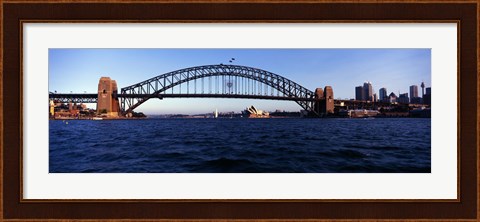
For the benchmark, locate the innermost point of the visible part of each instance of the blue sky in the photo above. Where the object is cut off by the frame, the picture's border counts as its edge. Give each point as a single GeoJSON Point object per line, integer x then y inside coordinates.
{"type": "Point", "coordinates": [78, 71]}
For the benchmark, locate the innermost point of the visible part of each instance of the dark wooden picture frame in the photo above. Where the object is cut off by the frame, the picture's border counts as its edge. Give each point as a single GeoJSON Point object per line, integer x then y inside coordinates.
{"type": "Point", "coordinates": [13, 13]}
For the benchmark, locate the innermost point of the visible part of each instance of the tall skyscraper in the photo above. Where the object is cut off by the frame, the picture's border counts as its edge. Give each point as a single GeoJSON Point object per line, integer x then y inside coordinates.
{"type": "Point", "coordinates": [367, 91]}
{"type": "Point", "coordinates": [382, 94]}
{"type": "Point", "coordinates": [427, 98]}
{"type": "Point", "coordinates": [413, 93]}
{"type": "Point", "coordinates": [359, 93]}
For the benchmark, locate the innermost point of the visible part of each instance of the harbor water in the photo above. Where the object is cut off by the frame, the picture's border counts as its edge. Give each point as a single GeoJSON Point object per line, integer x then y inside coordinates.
{"type": "Point", "coordinates": [240, 145]}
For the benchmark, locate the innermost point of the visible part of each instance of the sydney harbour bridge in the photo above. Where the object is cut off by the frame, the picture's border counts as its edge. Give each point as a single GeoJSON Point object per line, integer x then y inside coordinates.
{"type": "Point", "coordinates": [209, 81]}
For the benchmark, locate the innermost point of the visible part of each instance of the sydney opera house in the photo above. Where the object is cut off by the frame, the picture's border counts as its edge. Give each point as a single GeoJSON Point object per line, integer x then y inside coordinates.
{"type": "Point", "coordinates": [252, 112]}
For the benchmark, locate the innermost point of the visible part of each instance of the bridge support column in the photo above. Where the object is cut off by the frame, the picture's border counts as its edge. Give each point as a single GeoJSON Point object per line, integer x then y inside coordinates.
{"type": "Point", "coordinates": [329, 103]}
{"type": "Point", "coordinates": [319, 101]}
{"type": "Point", "coordinates": [107, 103]}
{"type": "Point", "coordinates": [324, 102]}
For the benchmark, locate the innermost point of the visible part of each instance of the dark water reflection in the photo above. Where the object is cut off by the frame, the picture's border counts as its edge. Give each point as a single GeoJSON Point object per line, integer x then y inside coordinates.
{"type": "Point", "coordinates": [241, 145]}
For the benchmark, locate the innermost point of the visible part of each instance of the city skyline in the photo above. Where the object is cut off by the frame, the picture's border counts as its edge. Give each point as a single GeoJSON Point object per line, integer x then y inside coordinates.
{"type": "Point", "coordinates": [365, 92]}
{"type": "Point", "coordinates": [78, 71]}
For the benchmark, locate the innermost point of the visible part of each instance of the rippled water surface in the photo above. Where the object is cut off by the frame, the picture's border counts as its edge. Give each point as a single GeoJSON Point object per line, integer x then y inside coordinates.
{"type": "Point", "coordinates": [240, 145]}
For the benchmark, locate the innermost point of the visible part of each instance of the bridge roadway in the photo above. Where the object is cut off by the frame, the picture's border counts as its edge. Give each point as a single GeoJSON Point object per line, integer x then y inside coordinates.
{"type": "Point", "coordinates": [92, 98]}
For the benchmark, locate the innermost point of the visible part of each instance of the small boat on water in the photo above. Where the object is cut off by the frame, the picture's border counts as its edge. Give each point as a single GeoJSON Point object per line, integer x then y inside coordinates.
{"type": "Point", "coordinates": [97, 118]}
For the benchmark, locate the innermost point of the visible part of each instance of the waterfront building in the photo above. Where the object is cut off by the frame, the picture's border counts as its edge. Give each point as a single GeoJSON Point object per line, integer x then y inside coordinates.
{"type": "Point", "coordinates": [383, 94]}
{"type": "Point", "coordinates": [252, 112]}
{"type": "Point", "coordinates": [375, 97]}
{"type": "Point", "coordinates": [416, 100]}
{"type": "Point", "coordinates": [413, 93]}
{"type": "Point", "coordinates": [367, 91]}
{"type": "Point", "coordinates": [52, 108]}
{"type": "Point", "coordinates": [403, 98]}
{"type": "Point", "coordinates": [359, 93]}
{"type": "Point", "coordinates": [360, 113]}
{"type": "Point", "coordinates": [392, 98]}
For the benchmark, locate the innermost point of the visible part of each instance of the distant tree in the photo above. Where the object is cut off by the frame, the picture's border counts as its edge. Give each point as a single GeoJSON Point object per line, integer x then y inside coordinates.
{"type": "Point", "coordinates": [139, 114]}
{"type": "Point", "coordinates": [103, 111]}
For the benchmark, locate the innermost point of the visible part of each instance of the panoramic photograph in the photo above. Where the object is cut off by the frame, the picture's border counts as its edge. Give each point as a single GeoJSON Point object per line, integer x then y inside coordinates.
{"type": "Point", "coordinates": [239, 110]}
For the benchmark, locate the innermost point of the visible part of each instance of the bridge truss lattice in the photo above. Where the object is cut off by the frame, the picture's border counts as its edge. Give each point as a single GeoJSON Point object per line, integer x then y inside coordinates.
{"type": "Point", "coordinates": [224, 81]}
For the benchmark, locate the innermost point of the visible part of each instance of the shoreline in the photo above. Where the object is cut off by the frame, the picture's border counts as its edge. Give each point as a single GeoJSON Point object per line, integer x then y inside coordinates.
{"type": "Point", "coordinates": [102, 118]}
{"type": "Point", "coordinates": [286, 117]}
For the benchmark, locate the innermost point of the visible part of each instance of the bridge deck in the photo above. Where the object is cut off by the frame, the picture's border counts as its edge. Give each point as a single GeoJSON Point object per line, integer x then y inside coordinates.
{"type": "Point", "coordinates": [91, 98]}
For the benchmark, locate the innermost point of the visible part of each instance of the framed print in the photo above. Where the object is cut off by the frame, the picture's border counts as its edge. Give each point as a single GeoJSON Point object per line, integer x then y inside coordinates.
{"type": "Point", "coordinates": [239, 110]}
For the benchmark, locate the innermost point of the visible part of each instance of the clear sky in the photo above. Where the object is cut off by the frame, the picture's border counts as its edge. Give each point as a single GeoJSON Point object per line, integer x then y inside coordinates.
{"type": "Point", "coordinates": [78, 71]}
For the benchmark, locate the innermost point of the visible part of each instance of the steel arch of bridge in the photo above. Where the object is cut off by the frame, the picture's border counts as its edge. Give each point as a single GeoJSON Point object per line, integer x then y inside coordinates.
{"type": "Point", "coordinates": [133, 96]}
